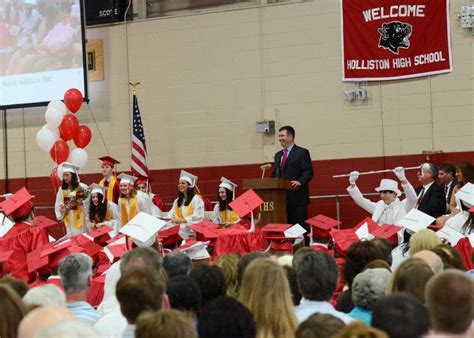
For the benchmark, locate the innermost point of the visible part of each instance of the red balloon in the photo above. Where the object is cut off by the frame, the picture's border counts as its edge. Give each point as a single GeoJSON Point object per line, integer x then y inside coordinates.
{"type": "Point", "coordinates": [73, 100]}
{"type": "Point", "coordinates": [55, 181]}
{"type": "Point", "coordinates": [59, 152]}
{"type": "Point", "coordinates": [83, 137]}
{"type": "Point", "coordinates": [69, 127]}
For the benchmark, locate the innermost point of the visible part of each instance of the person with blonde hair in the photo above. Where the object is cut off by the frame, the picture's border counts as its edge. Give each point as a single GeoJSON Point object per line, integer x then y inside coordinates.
{"type": "Point", "coordinates": [411, 276]}
{"type": "Point", "coordinates": [425, 239]}
{"type": "Point", "coordinates": [266, 292]}
{"type": "Point", "coordinates": [228, 264]}
{"type": "Point", "coordinates": [361, 330]}
{"type": "Point", "coordinates": [165, 324]}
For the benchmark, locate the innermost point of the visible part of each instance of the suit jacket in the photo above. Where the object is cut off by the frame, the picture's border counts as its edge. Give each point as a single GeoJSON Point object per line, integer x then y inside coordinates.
{"type": "Point", "coordinates": [433, 202]}
{"type": "Point", "coordinates": [298, 167]}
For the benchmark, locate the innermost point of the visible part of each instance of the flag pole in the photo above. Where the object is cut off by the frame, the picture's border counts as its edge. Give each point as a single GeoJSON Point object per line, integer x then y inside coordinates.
{"type": "Point", "coordinates": [133, 86]}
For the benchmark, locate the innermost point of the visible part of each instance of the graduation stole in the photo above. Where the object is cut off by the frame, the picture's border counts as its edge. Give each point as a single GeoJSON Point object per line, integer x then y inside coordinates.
{"type": "Point", "coordinates": [179, 213]}
{"type": "Point", "coordinates": [110, 191]}
{"type": "Point", "coordinates": [108, 216]}
{"type": "Point", "coordinates": [133, 209]}
{"type": "Point", "coordinates": [228, 216]}
{"type": "Point", "coordinates": [77, 212]}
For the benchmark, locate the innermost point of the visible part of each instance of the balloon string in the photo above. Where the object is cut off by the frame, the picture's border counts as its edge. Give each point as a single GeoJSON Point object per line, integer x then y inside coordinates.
{"type": "Point", "coordinates": [98, 129]}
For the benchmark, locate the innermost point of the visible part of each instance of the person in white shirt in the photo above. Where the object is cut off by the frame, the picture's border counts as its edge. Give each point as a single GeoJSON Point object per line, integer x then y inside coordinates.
{"type": "Point", "coordinates": [389, 210]}
{"type": "Point", "coordinates": [317, 276]}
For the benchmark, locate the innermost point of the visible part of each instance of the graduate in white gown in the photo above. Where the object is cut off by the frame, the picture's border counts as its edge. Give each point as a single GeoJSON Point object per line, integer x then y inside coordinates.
{"type": "Point", "coordinates": [101, 212]}
{"type": "Point", "coordinates": [131, 201]}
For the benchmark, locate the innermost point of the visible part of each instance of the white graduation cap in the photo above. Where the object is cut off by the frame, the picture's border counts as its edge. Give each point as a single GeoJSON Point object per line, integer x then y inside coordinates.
{"type": "Point", "coordinates": [294, 231]}
{"type": "Point", "coordinates": [416, 220]}
{"type": "Point", "coordinates": [97, 189]}
{"type": "Point", "coordinates": [67, 167]}
{"type": "Point", "coordinates": [188, 177]}
{"type": "Point", "coordinates": [227, 184]}
{"type": "Point", "coordinates": [466, 194]}
{"type": "Point", "coordinates": [363, 232]}
{"type": "Point", "coordinates": [143, 229]}
{"type": "Point", "coordinates": [5, 225]}
{"type": "Point", "coordinates": [453, 236]}
{"type": "Point", "coordinates": [127, 179]}
{"type": "Point", "coordinates": [196, 251]}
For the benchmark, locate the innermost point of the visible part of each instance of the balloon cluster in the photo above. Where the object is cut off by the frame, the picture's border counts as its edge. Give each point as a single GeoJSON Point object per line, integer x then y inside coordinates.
{"type": "Point", "coordinates": [61, 127]}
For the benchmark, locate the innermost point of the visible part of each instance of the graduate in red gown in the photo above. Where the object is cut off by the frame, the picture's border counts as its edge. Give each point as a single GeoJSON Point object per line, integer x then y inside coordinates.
{"type": "Point", "coordinates": [110, 180]}
{"type": "Point", "coordinates": [143, 184]}
{"type": "Point", "coordinates": [24, 236]}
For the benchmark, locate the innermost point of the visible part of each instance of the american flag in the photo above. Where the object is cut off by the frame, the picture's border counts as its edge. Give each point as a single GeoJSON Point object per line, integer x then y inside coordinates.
{"type": "Point", "coordinates": [139, 166]}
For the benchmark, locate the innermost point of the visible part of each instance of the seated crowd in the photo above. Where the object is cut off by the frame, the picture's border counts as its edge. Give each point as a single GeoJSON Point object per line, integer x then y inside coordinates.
{"type": "Point", "coordinates": [404, 283]}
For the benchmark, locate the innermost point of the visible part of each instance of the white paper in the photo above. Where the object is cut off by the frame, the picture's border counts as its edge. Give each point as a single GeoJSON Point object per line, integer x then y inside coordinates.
{"type": "Point", "coordinates": [363, 232]}
{"type": "Point", "coordinates": [109, 254]}
{"type": "Point", "coordinates": [416, 220]}
{"type": "Point", "coordinates": [295, 231]}
{"type": "Point", "coordinates": [466, 193]}
{"type": "Point", "coordinates": [5, 225]}
{"type": "Point", "coordinates": [450, 234]}
{"type": "Point", "coordinates": [142, 227]}
{"type": "Point", "coordinates": [51, 238]}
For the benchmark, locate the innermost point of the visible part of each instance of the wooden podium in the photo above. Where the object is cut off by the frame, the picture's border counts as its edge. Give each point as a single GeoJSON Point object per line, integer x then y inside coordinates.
{"type": "Point", "coordinates": [273, 192]}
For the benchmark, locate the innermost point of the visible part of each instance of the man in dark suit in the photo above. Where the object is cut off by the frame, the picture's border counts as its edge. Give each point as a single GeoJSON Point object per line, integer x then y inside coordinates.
{"type": "Point", "coordinates": [447, 179]}
{"type": "Point", "coordinates": [293, 163]}
{"type": "Point", "coordinates": [431, 198]}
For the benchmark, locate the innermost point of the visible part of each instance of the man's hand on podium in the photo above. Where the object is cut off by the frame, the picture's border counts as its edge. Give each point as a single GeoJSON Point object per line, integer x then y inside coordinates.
{"type": "Point", "coordinates": [295, 185]}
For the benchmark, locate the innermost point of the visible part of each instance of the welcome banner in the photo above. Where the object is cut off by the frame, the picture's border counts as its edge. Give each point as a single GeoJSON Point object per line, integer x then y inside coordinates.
{"type": "Point", "coordinates": [394, 39]}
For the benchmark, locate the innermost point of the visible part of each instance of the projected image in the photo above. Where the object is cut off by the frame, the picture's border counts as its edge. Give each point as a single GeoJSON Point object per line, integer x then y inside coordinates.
{"type": "Point", "coordinates": [41, 44]}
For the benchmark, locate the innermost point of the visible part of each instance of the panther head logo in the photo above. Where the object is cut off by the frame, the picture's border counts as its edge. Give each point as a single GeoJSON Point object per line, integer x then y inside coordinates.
{"type": "Point", "coordinates": [395, 35]}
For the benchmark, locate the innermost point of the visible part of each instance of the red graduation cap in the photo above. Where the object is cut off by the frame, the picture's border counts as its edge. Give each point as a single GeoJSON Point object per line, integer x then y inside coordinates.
{"type": "Point", "coordinates": [100, 235]}
{"type": "Point", "coordinates": [44, 222]}
{"type": "Point", "coordinates": [115, 251]}
{"type": "Point", "coordinates": [321, 225]}
{"type": "Point", "coordinates": [387, 231]}
{"type": "Point", "coordinates": [275, 231]}
{"type": "Point", "coordinates": [96, 292]}
{"type": "Point", "coordinates": [322, 248]}
{"type": "Point", "coordinates": [169, 236]}
{"type": "Point", "coordinates": [371, 225]}
{"type": "Point", "coordinates": [107, 160]}
{"type": "Point", "coordinates": [102, 268]}
{"type": "Point", "coordinates": [18, 205]}
{"type": "Point", "coordinates": [58, 252]}
{"type": "Point", "coordinates": [143, 180]}
{"type": "Point", "coordinates": [245, 203]}
{"type": "Point", "coordinates": [471, 209]}
{"type": "Point", "coordinates": [114, 239]}
{"type": "Point", "coordinates": [205, 230]}
{"type": "Point", "coordinates": [89, 246]}
{"type": "Point", "coordinates": [343, 239]}
{"type": "Point", "coordinates": [35, 262]}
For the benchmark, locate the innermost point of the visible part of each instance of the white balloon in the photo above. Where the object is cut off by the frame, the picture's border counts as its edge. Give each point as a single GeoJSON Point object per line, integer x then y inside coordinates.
{"type": "Point", "coordinates": [45, 139]}
{"type": "Point", "coordinates": [53, 118]}
{"type": "Point", "coordinates": [55, 131]}
{"type": "Point", "coordinates": [78, 157]}
{"type": "Point", "coordinates": [59, 106]}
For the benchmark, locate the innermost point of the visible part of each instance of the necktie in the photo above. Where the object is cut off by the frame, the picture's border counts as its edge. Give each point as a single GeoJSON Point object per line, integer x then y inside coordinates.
{"type": "Point", "coordinates": [283, 160]}
{"type": "Point", "coordinates": [446, 188]}
{"type": "Point", "coordinates": [421, 197]}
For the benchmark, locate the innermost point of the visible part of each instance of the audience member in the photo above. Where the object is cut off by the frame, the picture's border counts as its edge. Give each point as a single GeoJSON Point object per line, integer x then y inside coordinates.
{"type": "Point", "coordinates": [431, 198]}
{"type": "Point", "coordinates": [450, 257]}
{"type": "Point", "coordinates": [295, 291]}
{"type": "Point", "coordinates": [378, 264]}
{"type": "Point", "coordinates": [361, 330]}
{"type": "Point", "coordinates": [18, 285]}
{"type": "Point", "coordinates": [177, 263]}
{"type": "Point", "coordinates": [165, 324]}
{"type": "Point", "coordinates": [68, 329]}
{"type": "Point", "coordinates": [385, 249]}
{"type": "Point", "coordinates": [139, 290]}
{"type": "Point", "coordinates": [401, 315]}
{"type": "Point", "coordinates": [425, 239]}
{"type": "Point", "coordinates": [411, 276]}
{"type": "Point", "coordinates": [358, 256]}
{"type": "Point", "coordinates": [246, 260]}
{"type": "Point", "coordinates": [226, 317]}
{"type": "Point", "coordinates": [298, 255]}
{"type": "Point", "coordinates": [367, 288]}
{"type": "Point", "coordinates": [113, 323]}
{"type": "Point", "coordinates": [446, 177]}
{"type": "Point", "coordinates": [320, 326]}
{"type": "Point", "coordinates": [317, 277]}
{"type": "Point", "coordinates": [450, 303]}
{"type": "Point", "coordinates": [43, 317]}
{"type": "Point", "coordinates": [48, 294]}
{"type": "Point", "coordinates": [75, 272]}
{"type": "Point", "coordinates": [12, 311]}
{"type": "Point", "coordinates": [184, 295]}
{"type": "Point", "coordinates": [228, 264]}
{"type": "Point", "coordinates": [433, 260]}
{"type": "Point", "coordinates": [210, 280]}
{"type": "Point", "coordinates": [265, 291]}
